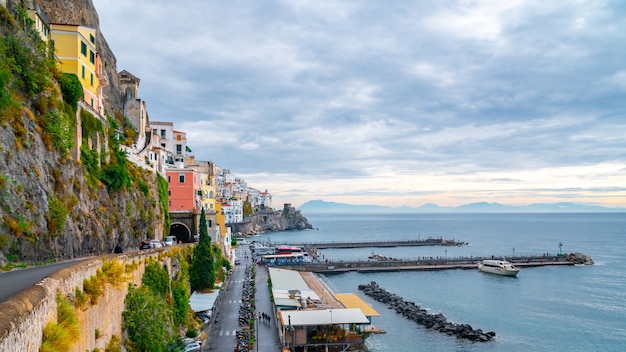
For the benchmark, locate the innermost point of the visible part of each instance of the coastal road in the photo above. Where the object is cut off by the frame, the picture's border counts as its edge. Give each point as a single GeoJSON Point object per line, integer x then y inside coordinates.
{"type": "Point", "coordinates": [15, 281]}
{"type": "Point", "coordinates": [225, 321]}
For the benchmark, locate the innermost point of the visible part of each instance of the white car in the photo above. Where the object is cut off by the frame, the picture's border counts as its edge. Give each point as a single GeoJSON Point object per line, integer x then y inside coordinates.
{"type": "Point", "coordinates": [156, 244]}
{"type": "Point", "coordinates": [192, 347]}
{"type": "Point", "coordinates": [169, 240]}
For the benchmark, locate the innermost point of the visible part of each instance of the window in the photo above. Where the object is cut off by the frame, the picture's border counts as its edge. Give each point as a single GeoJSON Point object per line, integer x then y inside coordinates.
{"type": "Point", "coordinates": [199, 193]}
{"type": "Point", "coordinates": [91, 79]}
{"type": "Point", "coordinates": [208, 223]}
{"type": "Point", "coordinates": [179, 137]}
{"type": "Point", "coordinates": [181, 178]}
{"type": "Point", "coordinates": [91, 102]}
{"type": "Point", "coordinates": [83, 48]}
{"type": "Point", "coordinates": [163, 145]}
{"type": "Point", "coordinates": [154, 131]}
{"type": "Point", "coordinates": [169, 193]}
{"type": "Point", "coordinates": [83, 71]}
{"type": "Point", "coordinates": [92, 57]}
{"type": "Point", "coordinates": [169, 179]}
{"type": "Point", "coordinates": [92, 38]}
{"type": "Point", "coordinates": [179, 149]}
{"type": "Point", "coordinates": [162, 133]}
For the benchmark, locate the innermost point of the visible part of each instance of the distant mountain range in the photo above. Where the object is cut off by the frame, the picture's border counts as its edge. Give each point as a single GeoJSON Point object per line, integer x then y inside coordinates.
{"type": "Point", "coordinates": [321, 206]}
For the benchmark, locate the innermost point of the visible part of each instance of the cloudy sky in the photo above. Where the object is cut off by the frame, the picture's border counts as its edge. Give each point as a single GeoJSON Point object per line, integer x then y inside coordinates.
{"type": "Point", "coordinates": [390, 102]}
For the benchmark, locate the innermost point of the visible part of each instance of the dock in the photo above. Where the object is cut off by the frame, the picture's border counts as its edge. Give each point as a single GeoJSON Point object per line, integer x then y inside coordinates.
{"type": "Point", "coordinates": [376, 244]}
{"type": "Point", "coordinates": [429, 264]}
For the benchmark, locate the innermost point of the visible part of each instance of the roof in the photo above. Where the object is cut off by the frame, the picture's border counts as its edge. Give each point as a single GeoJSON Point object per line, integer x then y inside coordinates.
{"type": "Point", "coordinates": [352, 300]}
{"type": "Point", "coordinates": [200, 302]}
{"type": "Point", "coordinates": [323, 317]}
{"type": "Point", "coordinates": [287, 279]}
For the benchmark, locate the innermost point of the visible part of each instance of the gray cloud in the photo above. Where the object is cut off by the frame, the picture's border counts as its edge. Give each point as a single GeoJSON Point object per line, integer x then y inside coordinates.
{"type": "Point", "coordinates": [305, 91]}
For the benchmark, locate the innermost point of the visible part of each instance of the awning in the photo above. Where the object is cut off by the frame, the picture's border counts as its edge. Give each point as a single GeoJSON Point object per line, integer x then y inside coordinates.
{"type": "Point", "coordinates": [323, 317]}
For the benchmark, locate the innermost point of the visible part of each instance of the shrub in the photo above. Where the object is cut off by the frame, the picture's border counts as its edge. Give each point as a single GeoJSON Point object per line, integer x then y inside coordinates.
{"type": "Point", "coordinates": [60, 336]}
{"type": "Point", "coordinates": [59, 126]}
{"type": "Point", "coordinates": [91, 162]}
{"type": "Point", "coordinates": [71, 89]}
{"type": "Point", "coordinates": [56, 216]}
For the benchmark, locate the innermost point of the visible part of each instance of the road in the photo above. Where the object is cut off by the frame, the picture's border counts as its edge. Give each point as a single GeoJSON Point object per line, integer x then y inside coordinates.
{"type": "Point", "coordinates": [221, 330]}
{"type": "Point", "coordinates": [15, 281]}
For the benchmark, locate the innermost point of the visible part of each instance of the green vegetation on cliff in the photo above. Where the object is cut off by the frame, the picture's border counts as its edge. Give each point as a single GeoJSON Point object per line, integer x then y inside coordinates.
{"type": "Point", "coordinates": [52, 204]}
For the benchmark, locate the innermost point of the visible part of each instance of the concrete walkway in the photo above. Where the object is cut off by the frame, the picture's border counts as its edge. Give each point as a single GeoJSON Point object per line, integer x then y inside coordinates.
{"type": "Point", "coordinates": [225, 321]}
{"type": "Point", "coordinates": [267, 333]}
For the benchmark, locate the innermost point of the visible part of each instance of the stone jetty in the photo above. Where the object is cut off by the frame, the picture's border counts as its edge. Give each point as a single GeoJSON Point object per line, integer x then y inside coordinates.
{"type": "Point", "coordinates": [419, 315]}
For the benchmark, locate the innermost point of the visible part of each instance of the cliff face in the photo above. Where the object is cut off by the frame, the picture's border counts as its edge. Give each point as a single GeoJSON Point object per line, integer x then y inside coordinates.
{"type": "Point", "coordinates": [48, 212]}
{"type": "Point", "coordinates": [281, 220]}
{"type": "Point", "coordinates": [48, 209]}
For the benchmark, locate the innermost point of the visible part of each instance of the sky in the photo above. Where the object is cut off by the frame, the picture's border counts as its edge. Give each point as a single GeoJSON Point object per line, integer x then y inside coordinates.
{"type": "Point", "coordinates": [390, 102]}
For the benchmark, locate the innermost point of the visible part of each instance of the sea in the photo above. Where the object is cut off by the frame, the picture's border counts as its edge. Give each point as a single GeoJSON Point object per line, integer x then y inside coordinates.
{"type": "Point", "coordinates": [550, 308]}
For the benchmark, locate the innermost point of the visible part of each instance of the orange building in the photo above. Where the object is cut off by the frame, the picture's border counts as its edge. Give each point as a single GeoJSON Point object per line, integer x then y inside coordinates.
{"type": "Point", "coordinates": [185, 191]}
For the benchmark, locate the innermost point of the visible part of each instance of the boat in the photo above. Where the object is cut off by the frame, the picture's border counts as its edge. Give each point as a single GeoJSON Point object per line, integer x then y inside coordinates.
{"type": "Point", "coordinates": [498, 267]}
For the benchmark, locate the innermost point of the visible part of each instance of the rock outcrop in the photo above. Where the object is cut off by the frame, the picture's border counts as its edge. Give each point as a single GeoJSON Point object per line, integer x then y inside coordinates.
{"type": "Point", "coordinates": [281, 220]}
{"type": "Point", "coordinates": [415, 313]}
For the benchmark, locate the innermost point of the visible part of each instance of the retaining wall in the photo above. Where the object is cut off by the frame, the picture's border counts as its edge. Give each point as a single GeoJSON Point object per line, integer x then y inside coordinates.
{"type": "Point", "coordinates": [24, 316]}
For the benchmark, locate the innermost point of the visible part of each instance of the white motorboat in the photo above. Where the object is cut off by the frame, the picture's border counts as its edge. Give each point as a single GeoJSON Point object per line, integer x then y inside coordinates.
{"type": "Point", "coordinates": [498, 267]}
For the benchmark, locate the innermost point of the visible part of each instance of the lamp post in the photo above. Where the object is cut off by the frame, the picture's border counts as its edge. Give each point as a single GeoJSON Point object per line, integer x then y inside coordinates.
{"type": "Point", "coordinates": [257, 332]}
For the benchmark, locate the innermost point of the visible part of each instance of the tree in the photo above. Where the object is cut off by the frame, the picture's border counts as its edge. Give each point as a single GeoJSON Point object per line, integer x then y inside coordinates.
{"type": "Point", "coordinates": [204, 232]}
{"type": "Point", "coordinates": [146, 319]}
{"type": "Point", "coordinates": [156, 278]}
{"type": "Point", "coordinates": [202, 270]}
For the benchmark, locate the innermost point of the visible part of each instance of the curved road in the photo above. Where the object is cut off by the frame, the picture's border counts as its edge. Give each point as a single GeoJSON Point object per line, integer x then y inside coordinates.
{"type": "Point", "coordinates": [13, 282]}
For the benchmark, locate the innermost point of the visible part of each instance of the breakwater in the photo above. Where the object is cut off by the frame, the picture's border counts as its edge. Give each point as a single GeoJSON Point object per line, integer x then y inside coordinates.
{"type": "Point", "coordinates": [412, 311]}
{"type": "Point", "coordinates": [364, 244]}
{"type": "Point", "coordinates": [430, 264]}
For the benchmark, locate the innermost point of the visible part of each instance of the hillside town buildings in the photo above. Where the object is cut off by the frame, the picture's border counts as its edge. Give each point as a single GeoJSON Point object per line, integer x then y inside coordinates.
{"type": "Point", "coordinates": [194, 186]}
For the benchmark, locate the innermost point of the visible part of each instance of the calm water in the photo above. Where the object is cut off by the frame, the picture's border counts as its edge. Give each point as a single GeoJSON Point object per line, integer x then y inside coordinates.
{"type": "Point", "coordinates": [546, 308]}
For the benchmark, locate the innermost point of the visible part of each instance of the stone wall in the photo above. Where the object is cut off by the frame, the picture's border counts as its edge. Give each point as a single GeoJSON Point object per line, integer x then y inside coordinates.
{"type": "Point", "coordinates": [24, 316]}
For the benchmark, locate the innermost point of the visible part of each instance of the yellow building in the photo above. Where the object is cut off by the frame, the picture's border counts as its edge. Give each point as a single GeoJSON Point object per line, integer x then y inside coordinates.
{"type": "Point", "coordinates": [41, 21]}
{"type": "Point", "coordinates": [75, 49]}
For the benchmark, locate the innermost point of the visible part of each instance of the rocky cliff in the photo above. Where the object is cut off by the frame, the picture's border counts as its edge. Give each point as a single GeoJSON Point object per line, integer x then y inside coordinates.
{"type": "Point", "coordinates": [281, 220]}
{"type": "Point", "coordinates": [51, 206]}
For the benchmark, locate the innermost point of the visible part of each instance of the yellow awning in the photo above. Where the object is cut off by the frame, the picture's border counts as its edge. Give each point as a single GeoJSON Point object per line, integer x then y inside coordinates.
{"type": "Point", "coordinates": [352, 300]}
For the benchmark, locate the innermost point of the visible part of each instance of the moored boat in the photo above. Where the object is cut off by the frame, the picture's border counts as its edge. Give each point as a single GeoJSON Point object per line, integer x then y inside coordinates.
{"type": "Point", "coordinates": [498, 267]}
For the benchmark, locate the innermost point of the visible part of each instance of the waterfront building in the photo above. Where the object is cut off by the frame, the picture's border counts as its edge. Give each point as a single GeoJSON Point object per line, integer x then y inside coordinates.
{"type": "Point", "coordinates": [310, 315]}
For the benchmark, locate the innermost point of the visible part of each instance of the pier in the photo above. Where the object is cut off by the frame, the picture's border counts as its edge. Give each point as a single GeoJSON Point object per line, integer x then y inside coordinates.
{"type": "Point", "coordinates": [430, 264]}
{"type": "Point", "coordinates": [365, 244]}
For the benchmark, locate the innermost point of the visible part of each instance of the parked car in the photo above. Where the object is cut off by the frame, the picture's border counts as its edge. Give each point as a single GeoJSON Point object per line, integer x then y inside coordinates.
{"type": "Point", "coordinates": [188, 341]}
{"type": "Point", "coordinates": [169, 240]}
{"type": "Point", "coordinates": [193, 347]}
{"type": "Point", "coordinates": [145, 245]}
{"type": "Point", "coordinates": [156, 244]}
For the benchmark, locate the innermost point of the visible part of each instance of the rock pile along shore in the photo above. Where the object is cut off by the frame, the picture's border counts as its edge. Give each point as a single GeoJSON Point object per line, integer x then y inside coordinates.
{"type": "Point", "coordinates": [414, 312]}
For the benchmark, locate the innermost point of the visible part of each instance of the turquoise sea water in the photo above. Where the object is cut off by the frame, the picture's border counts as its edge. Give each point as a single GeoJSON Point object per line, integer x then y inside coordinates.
{"type": "Point", "coordinates": [547, 308]}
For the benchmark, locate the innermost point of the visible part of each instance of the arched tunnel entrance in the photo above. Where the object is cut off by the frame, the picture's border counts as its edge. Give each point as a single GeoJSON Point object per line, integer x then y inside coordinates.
{"type": "Point", "coordinates": [182, 232]}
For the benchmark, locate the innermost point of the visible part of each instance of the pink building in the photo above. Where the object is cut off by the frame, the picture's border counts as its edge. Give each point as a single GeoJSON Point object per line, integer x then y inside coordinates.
{"type": "Point", "coordinates": [184, 190]}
